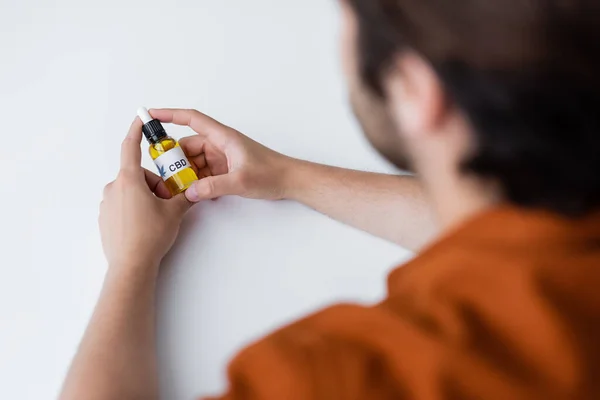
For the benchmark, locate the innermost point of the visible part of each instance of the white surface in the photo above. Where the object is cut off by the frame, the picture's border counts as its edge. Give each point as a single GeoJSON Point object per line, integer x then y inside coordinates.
{"type": "Point", "coordinates": [241, 268]}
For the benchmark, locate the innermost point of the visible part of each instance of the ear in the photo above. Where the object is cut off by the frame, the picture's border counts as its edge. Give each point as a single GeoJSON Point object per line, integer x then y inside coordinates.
{"type": "Point", "coordinates": [416, 95]}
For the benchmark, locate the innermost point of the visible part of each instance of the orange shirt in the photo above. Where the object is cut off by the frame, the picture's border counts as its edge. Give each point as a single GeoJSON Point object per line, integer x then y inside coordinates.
{"type": "Point", "coordinates": [505, 307]}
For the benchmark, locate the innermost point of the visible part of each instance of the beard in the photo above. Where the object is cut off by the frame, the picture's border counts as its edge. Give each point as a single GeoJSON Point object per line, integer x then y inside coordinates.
{"type": "Point", "coordinates": [378, 126]}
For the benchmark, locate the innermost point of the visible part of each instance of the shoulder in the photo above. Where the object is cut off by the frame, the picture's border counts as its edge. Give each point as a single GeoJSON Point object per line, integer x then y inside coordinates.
{"type": "Point", "coordinates": [447, 348]}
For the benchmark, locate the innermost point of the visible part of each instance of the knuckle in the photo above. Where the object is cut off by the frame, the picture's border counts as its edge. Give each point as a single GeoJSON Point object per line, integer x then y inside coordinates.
{"type": "Point", "coordinates": [107, 189]}
{"type": "Point", "coordinates": [191, 113]}
{"type": "Point", "coordinates": [123, 180]}
{"type": "Point", "coordinates": [186, 142]}
{"type": "Point", "coordinates": [125, 143]}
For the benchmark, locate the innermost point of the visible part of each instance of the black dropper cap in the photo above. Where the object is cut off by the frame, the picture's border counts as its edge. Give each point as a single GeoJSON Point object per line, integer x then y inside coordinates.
{"type": "Point", "coordinates": [154, 131]}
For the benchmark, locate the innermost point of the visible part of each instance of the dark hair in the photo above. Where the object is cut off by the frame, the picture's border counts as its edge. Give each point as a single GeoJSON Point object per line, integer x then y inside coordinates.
{"type": "Point", "coordinates": [526, 75]}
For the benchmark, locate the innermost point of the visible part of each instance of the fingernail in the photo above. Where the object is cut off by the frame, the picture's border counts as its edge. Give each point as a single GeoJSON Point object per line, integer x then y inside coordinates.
{"type": "Point", "coordinates": [192, 194]}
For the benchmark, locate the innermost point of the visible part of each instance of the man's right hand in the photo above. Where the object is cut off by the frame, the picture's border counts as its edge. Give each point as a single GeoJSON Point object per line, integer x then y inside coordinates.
{"type": "Point", "coordinates": [228, 162]}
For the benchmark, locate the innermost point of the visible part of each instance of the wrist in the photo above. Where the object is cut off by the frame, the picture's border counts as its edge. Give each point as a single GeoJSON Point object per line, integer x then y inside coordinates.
{"type": "Point", "coordinates": [292, 178]}
{"type": "Point", "coordinates": [134, 266]}
{"type": "Point", "coordinates": [130, 277]}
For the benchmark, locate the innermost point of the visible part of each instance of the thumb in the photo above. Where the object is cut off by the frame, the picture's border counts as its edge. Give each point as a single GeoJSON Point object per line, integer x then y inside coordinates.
{"type": "Point", "coordinates": [212, 187]}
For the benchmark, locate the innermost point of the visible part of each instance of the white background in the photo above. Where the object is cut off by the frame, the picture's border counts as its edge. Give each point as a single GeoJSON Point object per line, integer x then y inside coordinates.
{"type": "Point", "coordinates": [72, 74]}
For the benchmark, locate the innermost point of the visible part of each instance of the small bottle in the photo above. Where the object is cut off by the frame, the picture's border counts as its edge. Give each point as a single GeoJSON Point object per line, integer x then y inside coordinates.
{"type": "Point", "coordinates": [173, 166]}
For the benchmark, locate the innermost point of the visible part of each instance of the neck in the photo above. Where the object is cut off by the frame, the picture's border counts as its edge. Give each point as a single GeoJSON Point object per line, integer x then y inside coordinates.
{"type": "Point", "coordinates": [457, 197]}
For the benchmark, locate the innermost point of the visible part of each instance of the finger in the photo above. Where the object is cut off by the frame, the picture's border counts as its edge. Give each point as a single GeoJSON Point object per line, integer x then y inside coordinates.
{"type": "Point", "coordinates": [214, 186]}
{"type": "Point", "coordinates": [199, 162]}
{"type": "Point", "coordinates": [179, 204]}
{"type": "Point", "coordinates": [131, 153]}
{"type": "Point", "coordinates": [203, 173]}
{"type": "Point", "coordinates": [193, 146]}
{"type": "Point", "coordinates": [157, 185]}
{"type": "Point", "coordinates": [200, 123]}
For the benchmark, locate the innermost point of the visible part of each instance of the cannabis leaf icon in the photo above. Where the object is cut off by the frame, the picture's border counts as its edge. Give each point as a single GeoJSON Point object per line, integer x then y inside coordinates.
{"type": "Point", "coordinates": [162, 172]}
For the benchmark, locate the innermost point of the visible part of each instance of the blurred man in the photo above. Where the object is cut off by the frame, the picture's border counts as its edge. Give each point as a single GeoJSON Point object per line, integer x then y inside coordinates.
{"type": "Point", "coordinates": [494, 105]}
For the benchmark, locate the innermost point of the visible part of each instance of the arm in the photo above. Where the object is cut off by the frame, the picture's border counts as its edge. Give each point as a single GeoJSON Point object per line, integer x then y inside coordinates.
{"type": "Point", "coordinates": [391, 207]}
{"type": "Point", "coordinates": [388, 206]}
{"type": "Point", "coordinates": [117, 356]}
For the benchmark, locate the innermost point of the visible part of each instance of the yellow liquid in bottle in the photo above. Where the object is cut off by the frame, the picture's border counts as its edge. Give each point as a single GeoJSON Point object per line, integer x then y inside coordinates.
{"type": "Point", "coordinates": [183, 179]}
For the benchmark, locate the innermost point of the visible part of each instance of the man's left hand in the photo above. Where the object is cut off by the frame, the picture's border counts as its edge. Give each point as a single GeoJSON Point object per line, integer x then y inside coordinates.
{"type": "Point", "coordinates": [139, 221]}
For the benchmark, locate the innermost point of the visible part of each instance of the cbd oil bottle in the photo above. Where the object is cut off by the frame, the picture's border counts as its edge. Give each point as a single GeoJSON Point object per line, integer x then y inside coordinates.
{"type": "Point", "coordinates": [172, 164]}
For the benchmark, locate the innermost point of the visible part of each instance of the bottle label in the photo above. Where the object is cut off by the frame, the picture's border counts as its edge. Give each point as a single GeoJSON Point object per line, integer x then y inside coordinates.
{"type": "Point", "coordinates": [171, 162]}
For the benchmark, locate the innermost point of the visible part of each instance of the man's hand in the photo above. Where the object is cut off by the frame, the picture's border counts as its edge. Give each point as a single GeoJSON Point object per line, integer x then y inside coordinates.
{"type": "Point", "coordinates": [388, 206]}
{"type": "Point", "coordinates": [228, 162]}
{"type": "Point", "coordinates": [138, 220]}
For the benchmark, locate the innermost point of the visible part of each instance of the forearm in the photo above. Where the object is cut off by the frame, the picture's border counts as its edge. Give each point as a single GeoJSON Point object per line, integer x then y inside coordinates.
{"type": "Point", "coordinates": [388, 206]}
{"type": "Point", "coordinates": [117, 356]}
